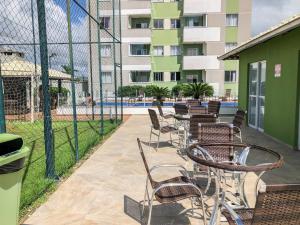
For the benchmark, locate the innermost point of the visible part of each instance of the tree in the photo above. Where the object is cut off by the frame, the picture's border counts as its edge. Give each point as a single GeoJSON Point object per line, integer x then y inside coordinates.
{"type": "Point", "coordinates": [67, 69]}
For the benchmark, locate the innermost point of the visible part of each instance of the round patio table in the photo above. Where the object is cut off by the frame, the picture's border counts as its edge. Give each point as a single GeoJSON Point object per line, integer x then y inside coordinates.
{"type": "Point", "coordinates": [260, 160]}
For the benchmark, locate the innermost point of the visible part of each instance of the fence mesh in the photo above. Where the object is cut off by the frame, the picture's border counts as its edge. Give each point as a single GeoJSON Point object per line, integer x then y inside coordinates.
{"type": "Point", "coordinates": [60, 71]}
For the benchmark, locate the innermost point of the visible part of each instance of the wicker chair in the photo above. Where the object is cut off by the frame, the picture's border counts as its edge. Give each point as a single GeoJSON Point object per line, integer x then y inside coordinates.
{"type": "Point", "coordinates": [217, 133]}
{"type": "Point", "coordinates": [156, 126]}
{"type": "Point", "coordinates": [170, 190]}
{"type": "Point", "coordinates": [237, 123]}
{"type": "Point", "coordinates": [196, 110]}
{"type": "Point", "coordinates": [214, 107]}
{"type": "Point", "coordinates": [277, 205]}
{"type": "Point", "coordinates": [181, 109]}
{"type": "Point", "coordinates": [162, 115]}
{"type": "Point", "coordinates": [196, 120]}
{"type": "Point", "coordinates": [193, 102]}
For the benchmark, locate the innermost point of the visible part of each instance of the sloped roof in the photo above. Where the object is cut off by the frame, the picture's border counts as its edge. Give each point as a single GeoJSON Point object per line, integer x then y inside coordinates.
{"type": "Point", "coordinates": [19, 67]}
{"type": "Point", "coordinates": [283, 27]}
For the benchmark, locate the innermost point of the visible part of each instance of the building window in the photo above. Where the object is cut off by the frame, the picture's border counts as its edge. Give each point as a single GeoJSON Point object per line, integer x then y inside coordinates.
{"type": "Point", "coordinates": [195, 21]}
{"type": "Point", "coordinates": [140, 49]}
{"type": "Point", "coordinates": [158, 23]}
{"type": "Point", "coordinates": [175, 23]}
{"type": "Point", "coordinates": [230, 76]}
{"type": "Point", "coordinates": [106, 77]}
{"type": "Point", "coordinates": [175, 76]}
{"type": "Point", "coordinates": [175, 50]}
{"type": "Point", "coordinates": [158, 76]}
{"type": "Point", "coordinates": [192, 52]}
{"type": "Point", "coordinates": [158, 50]}
{"type": "Point", "coordinates": [140, 76]}
{"type": "Point", "coordinates": [105, 51]}
{"type": "Point", "coordinates": [232, 20]}
{"type": "Point", "coordinates": [192, 78]}
{"type": "Point", "coordinates": [104, 22]}
{"type": "Point", "coordinates": [230, 45]}
{"type": "Point", "coordinates": [140, 23]}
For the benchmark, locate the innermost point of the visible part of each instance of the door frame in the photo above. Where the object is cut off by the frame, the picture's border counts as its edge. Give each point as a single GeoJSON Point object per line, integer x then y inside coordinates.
{"type": "Point", "coordinates": [257, 96]}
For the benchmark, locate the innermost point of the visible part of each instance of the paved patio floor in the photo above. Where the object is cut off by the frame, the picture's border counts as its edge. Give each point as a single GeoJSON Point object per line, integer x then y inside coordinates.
{"type": "Point", "coordinates": [108, 188]}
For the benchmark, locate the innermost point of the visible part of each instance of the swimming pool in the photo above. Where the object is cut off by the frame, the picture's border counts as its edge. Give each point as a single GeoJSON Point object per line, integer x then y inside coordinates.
{"type": "Point", "coordinates": [166, 104]}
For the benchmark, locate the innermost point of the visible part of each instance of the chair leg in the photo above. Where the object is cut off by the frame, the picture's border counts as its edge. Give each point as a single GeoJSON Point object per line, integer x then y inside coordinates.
{"type": "Point", "coordinates": [150, 210]}
{"type": "Point", "coordinates": [171, 138]}
{"type": "Point", "coordinates": [241, 137]}
{"type": "Point", "coordinates": [150, 138]}
{"type": "Point", "coordinates": [158, 137]}
{"type": "Point", "coordinates": [144, 202]}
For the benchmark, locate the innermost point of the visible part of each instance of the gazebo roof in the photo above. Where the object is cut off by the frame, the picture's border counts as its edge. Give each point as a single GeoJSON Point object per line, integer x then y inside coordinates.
{"type": "Point", "coordinates": [18, 67]}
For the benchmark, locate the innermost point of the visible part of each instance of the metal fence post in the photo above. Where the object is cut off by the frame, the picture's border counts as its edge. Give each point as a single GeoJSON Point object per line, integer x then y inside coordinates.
{"type": "Point", "coordinates": [72, 78]}
{"type": "Point", "coordinates": [114, 62]}
{"type": "Point", "coordinates": [121, 66]}
{"type": "Point", "coordinates": [91, 63]}
{"type": "Point", "coordinates": [2, 111]}
{"type": "Point", "coordinates": [100, 73]}
{"type": "Point", "coordinates": [49, 151]}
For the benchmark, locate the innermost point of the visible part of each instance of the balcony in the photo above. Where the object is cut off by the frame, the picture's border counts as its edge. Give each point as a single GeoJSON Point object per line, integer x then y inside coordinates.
{"type": "Point", "coordinates": [201, 34]}
{"type": "Point", "coordinates": [191, 7]}
{"type": "Point", "coordinates": [201, 63]}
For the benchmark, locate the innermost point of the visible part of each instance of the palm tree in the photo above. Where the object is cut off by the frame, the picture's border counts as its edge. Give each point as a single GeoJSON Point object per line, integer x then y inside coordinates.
{"type": "Point", "coordinates": [67, 69]}
{"type": "Point", "coordinates": [200, 89]}
{"type": "Point", "coordinates": [160, 92]}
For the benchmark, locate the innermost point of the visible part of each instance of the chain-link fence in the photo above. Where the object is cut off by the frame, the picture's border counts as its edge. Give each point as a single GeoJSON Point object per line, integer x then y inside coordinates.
{"type": "Point", "coordinates": [60, 69]}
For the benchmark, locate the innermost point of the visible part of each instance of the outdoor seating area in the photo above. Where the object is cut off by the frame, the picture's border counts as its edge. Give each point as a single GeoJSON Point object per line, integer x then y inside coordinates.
{"type": "Point", "coordinates": [206, 176]}
{"type": "Point", "coordinates": [216, 156]}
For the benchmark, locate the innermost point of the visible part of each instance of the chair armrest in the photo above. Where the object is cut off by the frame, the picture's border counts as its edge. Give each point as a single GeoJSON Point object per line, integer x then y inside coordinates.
{"type": "Point", "coordinates": [233, 214]}
{"type": "Point", "coordinates": [170, 166]}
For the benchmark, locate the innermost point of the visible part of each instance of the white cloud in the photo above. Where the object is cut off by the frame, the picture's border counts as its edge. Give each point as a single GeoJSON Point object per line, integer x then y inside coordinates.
{"type": "Point", "coordinates": [268, 13]}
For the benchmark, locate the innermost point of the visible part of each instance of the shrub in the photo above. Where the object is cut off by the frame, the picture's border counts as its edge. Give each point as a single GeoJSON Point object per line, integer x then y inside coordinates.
{"type": "Point", "coordinates": [130, 91]}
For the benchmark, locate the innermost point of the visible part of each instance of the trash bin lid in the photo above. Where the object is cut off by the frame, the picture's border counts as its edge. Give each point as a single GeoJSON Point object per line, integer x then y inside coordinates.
{"type": "Point", "coordinates": [10, 143]}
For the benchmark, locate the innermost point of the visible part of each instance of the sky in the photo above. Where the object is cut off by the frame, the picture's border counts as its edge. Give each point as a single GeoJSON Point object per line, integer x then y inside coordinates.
{"type": "Point", "coordinates": [267, 13]}
{"type": "Point", "coordinates": [15, 25]}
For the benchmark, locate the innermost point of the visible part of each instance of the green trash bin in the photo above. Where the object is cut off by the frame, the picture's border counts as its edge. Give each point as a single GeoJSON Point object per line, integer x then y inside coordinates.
{"type": "Point", "coordinates": [12, 159]}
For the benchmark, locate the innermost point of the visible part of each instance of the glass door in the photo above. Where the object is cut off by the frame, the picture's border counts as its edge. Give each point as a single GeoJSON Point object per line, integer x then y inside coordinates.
{"type": "Point", "coordinates": [257, 79]}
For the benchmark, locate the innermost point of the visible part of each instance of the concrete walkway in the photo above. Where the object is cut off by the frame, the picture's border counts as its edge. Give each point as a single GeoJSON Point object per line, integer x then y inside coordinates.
{"type": "Point", "coordinates": [108, 187]}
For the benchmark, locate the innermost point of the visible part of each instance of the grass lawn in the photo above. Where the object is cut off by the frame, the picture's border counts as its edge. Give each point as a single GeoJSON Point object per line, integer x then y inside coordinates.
{"type": "Point", "coordinates": [35, 184]}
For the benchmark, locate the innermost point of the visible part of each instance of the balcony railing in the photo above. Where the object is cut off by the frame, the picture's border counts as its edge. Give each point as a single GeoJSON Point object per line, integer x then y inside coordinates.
{"type": "Point", "coordinates": [201, 63]}
{"type": "Point", "coordinates": [201, 34]}
{"type": "Point", "coordinates": [191, 7]}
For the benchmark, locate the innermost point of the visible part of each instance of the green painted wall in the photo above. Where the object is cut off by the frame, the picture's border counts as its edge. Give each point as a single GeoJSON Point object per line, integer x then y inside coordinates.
{"type": "Point", "coordinates": [231, 34]}
{"type": "Point", "coordinates": [232, 6]}
{"type": "Point", "coordinates": [282, 94]}
{"type": "Point", "coordinates": [163, 10]}
{"type": "Point", "coordinates": [231, 65]}
{"type": "Point", "coordinates": [166, 63]}
{"type": "Point", "coordinates": [166, 37]}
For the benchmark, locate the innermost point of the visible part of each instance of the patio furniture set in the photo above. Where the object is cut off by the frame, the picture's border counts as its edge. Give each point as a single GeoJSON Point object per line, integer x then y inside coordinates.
{"type": "Point", "coordinates": [219, 155]}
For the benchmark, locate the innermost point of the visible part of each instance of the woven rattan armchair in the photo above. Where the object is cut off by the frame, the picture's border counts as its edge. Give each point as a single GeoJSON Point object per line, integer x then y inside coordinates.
{"type": "Point", "coordinates": [277, 205]}
{"type": "Point", "coordinates": [170, 190]}
{"type": "Point", "coordinates": [214, 107]}
{"type": "Point", "coordinates": [194, 110]}
{"type": "Point", "coordinates": [157, 129]}
{"type": "Point", "coordinates": [181, 109]}
{"type": "Point", "coordinates": [217, 133]}
{"type": "Point", "coordinates": [193, 102]}
{"type": "Point", "coordinates": [237, 122]}
{"type": "Point", "coordinates": [199, 119]}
